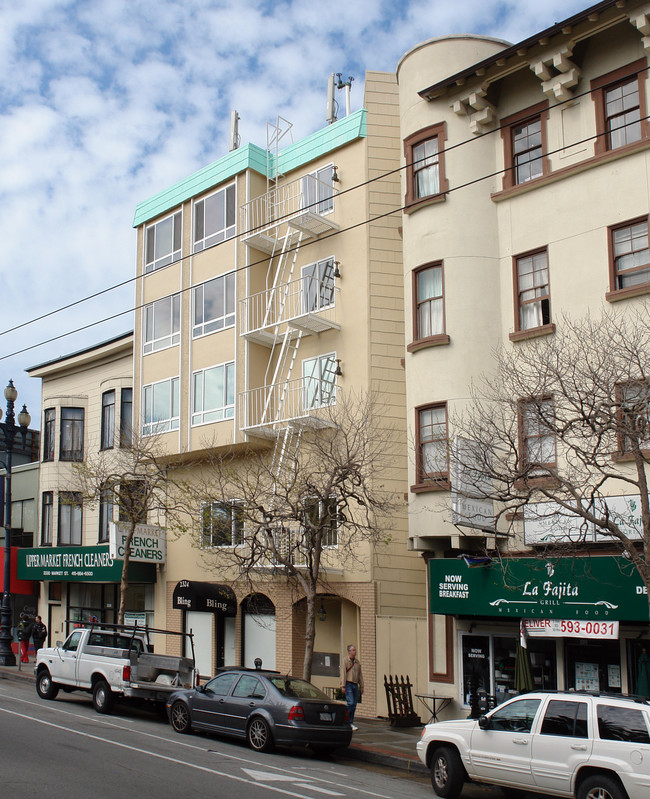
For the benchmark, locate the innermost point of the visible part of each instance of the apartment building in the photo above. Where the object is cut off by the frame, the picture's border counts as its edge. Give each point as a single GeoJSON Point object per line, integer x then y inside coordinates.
{"type": "Point", "coordinates": [270, 286]}
{"type": "Point", "coordinates": [526, 199]}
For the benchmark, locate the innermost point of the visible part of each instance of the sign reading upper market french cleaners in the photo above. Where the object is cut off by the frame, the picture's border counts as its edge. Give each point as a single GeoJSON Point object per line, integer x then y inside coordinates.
{"type": "Point", "coordinates": [148, 544]}
{"type": "Point", "coordinates": [603, 588]}
{"type": "Point", "coordinates": [78, 564]}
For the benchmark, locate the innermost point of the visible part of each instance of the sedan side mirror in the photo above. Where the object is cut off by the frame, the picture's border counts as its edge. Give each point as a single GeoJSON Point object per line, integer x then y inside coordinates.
{"type": "Point", "coordinates": [484, 722]}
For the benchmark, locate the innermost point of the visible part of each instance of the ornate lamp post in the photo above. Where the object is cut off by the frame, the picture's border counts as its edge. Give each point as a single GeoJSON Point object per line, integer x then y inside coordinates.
{"type": "Point", "coordinates": [7, 657]}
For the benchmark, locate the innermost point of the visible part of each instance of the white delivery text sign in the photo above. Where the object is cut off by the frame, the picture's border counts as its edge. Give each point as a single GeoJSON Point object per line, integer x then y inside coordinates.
{"type": "Point", "coordinates": [570, 628]}
{"type": "Point", "coordinates": [148, 544]}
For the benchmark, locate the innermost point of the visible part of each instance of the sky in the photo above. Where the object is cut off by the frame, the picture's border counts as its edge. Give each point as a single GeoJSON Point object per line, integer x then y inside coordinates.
{"type": "Point", "coordinates": [104, 103]}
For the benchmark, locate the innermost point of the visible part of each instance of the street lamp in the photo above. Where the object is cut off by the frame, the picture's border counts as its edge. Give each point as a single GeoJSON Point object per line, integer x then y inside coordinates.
{"type": "Point", "coordinates": [7, 657]}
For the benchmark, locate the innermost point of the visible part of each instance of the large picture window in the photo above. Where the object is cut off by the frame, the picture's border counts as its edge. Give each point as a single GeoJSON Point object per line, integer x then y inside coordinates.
{"type": "Point", "coordinates": [162, 324]}
{"type": "Point", "coordinates": [425, 174]}
{"type": "Point", "coordinates": [214, 305]}
{"type": "Point", "coordinates": [163, 242]}
{"type": "Point", "coordinates": [161, 407]}
{"type": "Point", "coordinates": [71, 447]}
{"type": "Point", "coordinates": [214, 218]}
{"type": "Point", "coordinates": [70, 518]}
{"type": "Point", "coordinates": [222, 524]}
{"type": "Point", "coordinates": [213, 394]}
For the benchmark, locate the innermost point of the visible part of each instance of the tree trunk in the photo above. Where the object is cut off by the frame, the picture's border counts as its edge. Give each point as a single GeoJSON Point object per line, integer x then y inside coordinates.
{"type": "Point", "coordinates": [124, 581]}
{"type": "Point", "coordinates": [310, 634]}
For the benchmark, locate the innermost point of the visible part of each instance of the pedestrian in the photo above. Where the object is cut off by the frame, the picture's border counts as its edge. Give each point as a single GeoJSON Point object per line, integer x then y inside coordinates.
{"type": "Point", "coordinates": [352, 681]}
{"type": "Point", "coordinates": [25, 626]}
{"type": "Point", "coordinates": [39, 634]}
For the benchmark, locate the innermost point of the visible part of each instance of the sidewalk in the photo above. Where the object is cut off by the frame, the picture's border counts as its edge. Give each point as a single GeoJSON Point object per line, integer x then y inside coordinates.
{"type": "Point", "coordinates": [374, 742]}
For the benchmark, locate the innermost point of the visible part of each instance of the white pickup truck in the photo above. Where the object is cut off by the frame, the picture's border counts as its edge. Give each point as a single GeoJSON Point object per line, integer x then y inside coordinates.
{"type": "Point", "coordinates": [113, 661]}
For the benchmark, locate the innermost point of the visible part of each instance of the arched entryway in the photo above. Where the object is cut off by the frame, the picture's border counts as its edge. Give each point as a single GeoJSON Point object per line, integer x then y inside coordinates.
{"type": "Point", "coordinates": [258, 631]}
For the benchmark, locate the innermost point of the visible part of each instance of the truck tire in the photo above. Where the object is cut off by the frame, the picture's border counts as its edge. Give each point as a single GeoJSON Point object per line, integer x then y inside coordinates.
{"type": "Point", "coordinates": [600, 786]}
{"type": "Point", "coordinates": [102, 697]}
{"type": "Point", "coordinates": [45, 687]}
{"type": "Point", "coordinates": [179, 718]}
{"type": "Point", "coordinates": [259, 735]}
{"type": "Point", "coordinates": [447, 772]}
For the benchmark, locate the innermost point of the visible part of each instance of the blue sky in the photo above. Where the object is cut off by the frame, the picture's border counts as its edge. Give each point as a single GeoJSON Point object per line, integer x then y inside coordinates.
{"type": "Point", "coordinates": [106, 102]}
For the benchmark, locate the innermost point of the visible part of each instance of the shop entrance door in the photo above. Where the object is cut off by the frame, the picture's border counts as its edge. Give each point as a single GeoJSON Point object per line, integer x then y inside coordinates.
{"type": "Point", "coordinates": [593, 665]}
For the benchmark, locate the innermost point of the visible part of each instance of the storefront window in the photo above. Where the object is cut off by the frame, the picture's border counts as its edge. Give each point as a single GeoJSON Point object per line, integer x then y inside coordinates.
{"type": "Point", "coordinates": [593, 666]}
{"type": "Point", "coordinates": [99, 602]}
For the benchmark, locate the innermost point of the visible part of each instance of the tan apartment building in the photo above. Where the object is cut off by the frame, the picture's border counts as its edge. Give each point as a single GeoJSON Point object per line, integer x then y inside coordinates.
{"type": "Point", "coordinates": [270, 286]}
{"type": "Point", "coordinates": [526, 199]}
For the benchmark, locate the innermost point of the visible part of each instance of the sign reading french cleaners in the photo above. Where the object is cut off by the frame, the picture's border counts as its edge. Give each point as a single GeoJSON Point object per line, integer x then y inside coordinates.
{"type": "Point", "coordinates": [68, 563]}
{"type": "Point", "coordinates": [596, 588]}
{"type": "Point", "coordinates": [148, 544]}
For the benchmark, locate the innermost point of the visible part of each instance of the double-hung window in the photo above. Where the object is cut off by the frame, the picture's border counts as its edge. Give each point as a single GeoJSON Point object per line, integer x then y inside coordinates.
{"type": "Point", "coordinates": [634, 416]}
{"type": "Point", "coordinates": [620, 105]}
{"type": "Point", "coordinates": [108, 419]}
{"type": "Point", "coordinates": [214, 218]}
{"type": "Point", "coordinates": [537, 453]}
{"type": "Point", "coordinates": [71, 447]}
{"type": "Point", "coordinates": [47, 519]}
{"type": "Point", "coordinates": [214, 305]}
{"type": "Point", "coordinates": [532, 292]}
{"type": "Point", "coordinates": [126, 417]}
{"type": "Point", "coordinates": [525, 148]}
{"type": "Point", "coordinates": [630, 256]}
{"type": "Point", "coordinates": [163, 242]}
{"type": "Point", "coordinates": [317, 191]}
{"type": "Point", "coordinates": [161, 407]}
{"type": "Point", "coordinates": [319, 381]}
{"type": "Point", "coordinates": [425, 174]}
{"type": "Point", "coordinates": [321, 515]}
{"type": "Point", "coordinates": [318, 286]}
{"type": "Point", "coordinates": [106, 510]}
{"type": "Point", "coordinates": [432, 445]}
{"type": "Point", "coordinates": [162, 323]}
{"type": "Point", "coordinates": [222, 524]}
{"type": "Point", "coordinates": [70, 518]}
{"type": "Point", "coordinates": [213, 394]}
{"type": "Point", "coordinates": [429, 308]}
{"type": "Point", "coordinates": [49, 418]}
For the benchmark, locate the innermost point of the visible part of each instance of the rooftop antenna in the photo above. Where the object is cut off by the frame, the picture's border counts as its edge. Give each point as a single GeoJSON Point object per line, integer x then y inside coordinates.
{"type": "Point", "coordinates": [347, 85]}
{"type": "Point", "coordinates": [330, 114]}
{"type": "Point", "coordinates": [235, 138]}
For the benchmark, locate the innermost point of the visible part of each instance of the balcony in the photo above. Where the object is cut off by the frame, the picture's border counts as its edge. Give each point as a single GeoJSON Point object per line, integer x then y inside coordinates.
{"type": "Point", "coordinates": [306, 304]}
{"type": "Point", "coordinates": [305, 204]}
{"type": "Point", "coordinates": [303, 402]}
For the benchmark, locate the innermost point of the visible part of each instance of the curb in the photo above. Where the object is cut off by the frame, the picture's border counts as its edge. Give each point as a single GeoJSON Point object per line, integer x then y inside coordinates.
{"type": "Point", "coordinates": [384, 759]}
{"type": "Point", "coordinates": [9, 673]}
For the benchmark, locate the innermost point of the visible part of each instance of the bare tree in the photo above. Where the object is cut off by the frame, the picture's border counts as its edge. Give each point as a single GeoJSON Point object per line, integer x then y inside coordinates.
{"type": "Point", "coordinates": [140, 485]}
{"type": "Point", "coordinates": [310, 502]}
{"type": "Point", "coordinates": [560, 431]}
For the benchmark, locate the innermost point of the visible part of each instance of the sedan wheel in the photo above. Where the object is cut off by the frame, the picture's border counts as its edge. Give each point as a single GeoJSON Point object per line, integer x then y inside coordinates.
{"type": "Point", "coordinates": [600, 786]}
{"type": "Point", "coordinates": [180, 718]}
{"type": "Point", "coordinates": [447, 773]}
{"type": "Point", "coordinates": [259, 735]}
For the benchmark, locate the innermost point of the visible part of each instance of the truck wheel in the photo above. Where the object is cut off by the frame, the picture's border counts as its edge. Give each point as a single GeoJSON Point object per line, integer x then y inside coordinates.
{"type": "Point", "coordinates": [447, 773]}
{"type": "Point", "coordinates": [102, 697]}
{"type": "Point", "coordinates": [45, 688]}
{"type": "Point", "coordinates": [179, 718]}
{"type": "Point", "coordinates": [600, 786]}
{"type": "Point", "coordinates": [259, 735]}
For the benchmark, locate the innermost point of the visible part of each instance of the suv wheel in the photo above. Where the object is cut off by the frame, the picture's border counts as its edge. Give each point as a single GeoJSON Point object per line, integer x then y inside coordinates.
{"type": "Point", "coordinates": [600, 786]}
{"type": "Point", "coordinates": [447, 773]}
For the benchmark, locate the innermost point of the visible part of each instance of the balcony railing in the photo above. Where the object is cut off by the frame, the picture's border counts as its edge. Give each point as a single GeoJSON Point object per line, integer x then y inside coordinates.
{"type": "Point", "coordinates": [305, 204]}
{"type": "Point", "coordinates": [268, 409]}
{"type": "Point", "coordinates": [307, 304]}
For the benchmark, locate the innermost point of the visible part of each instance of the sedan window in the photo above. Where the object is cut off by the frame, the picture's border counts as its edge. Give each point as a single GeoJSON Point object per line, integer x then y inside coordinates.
{"type": "Point", "coordinates": [221, 685]}
{"type": "Point", "coordinates": [568, 719]}
{"type": "Point", "coordinates": [515, 716]}
{"type": "Point", "coordinates": [300, 689]}
{"type": "Point", "coordinates": [249, 688]}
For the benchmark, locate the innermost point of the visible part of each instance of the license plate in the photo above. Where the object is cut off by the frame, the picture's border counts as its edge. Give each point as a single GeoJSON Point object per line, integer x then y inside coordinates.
{"type": "Point", "coordinates": [325, 716]}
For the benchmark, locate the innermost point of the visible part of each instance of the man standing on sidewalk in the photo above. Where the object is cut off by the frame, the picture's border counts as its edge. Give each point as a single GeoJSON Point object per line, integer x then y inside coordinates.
{"type": "Point", "coordinates": [352, 681]}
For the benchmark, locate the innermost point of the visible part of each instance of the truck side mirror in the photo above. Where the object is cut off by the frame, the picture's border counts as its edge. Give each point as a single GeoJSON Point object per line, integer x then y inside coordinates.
{"type": "Point", "coordinates": [484, 722]}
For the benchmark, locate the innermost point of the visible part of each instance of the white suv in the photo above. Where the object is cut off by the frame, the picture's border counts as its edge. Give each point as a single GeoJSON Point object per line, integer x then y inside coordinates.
{"type": "Point", "coordinates": [580, 744]}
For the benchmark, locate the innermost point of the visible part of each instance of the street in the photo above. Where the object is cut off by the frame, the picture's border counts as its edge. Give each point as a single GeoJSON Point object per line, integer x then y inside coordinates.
{"type": "Point", "coordinates": [65, 749]}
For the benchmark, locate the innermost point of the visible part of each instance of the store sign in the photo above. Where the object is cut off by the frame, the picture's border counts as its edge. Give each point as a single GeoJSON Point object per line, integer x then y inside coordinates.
{"type": "Point", "coordinates": [570, 628]}
{"type": "Point", "coordinates": [148, 544]}
{"type": "Point", "coordinates": [469, 486]}
{"type": "Point", "coordinates": [77, 564]}
{"type": "Point", "coordinates": [589, 588]}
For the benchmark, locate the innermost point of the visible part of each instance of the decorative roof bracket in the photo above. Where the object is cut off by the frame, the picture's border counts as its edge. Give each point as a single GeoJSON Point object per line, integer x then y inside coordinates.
{"type": "Point", "coordinates": [640, 18]}
{"type": "Point", "coordinates": [480, 111]}
{"type": "Point", "coordinates": [557, 72]}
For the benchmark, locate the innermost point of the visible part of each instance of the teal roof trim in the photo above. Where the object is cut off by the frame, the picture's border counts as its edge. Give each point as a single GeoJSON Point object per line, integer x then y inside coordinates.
{"type": "Point", "coordinates": [250, 156]}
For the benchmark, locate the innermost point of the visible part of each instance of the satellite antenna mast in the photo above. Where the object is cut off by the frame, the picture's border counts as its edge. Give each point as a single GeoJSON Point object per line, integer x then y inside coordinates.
{"type": "Point", "coordinates": [235, 138]}
{"type": "Point", "coordinates": [330, 115]}
{"type": "Point", "coordinates": [347, 85]}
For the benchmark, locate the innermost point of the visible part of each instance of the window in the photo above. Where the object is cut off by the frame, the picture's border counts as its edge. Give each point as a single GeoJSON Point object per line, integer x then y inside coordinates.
{"type": "Point", "coordinates": [619, 101]}
{"type": "Point", "coordinates": [532, 291]}
{"type": "Point", "coordinates": [318, 191]}
{"type": "Point", "coordinates": [70, 518]}
{"type": "Point", "coordinates": [319, 381]}
{"type": "Point", "coordinates": [524, 142]}
{"type": "Point", "coordinates": [106, 500]}
{"type": "Point", "coordinates": [425, 176]}
{"type": "Point", "coordinates": [622, 724]}
{"type": "Point", "coordinates": [49, 419]}
{"type": "Point", "coordinates": [132, 501]}
{"type": "Point", "coordinates": [318, 286]}
{"type": "Point", "coordinates": [47, 508]}
{"type": "Point", "coordinates": [432, 448]}
{"type": "Point", "coordinates": [214, 305]}
{"type": "Point", "coordinates": [163, 242]}
{"type": "Point", "coordinates": [161, 407]}
{"type": "Point", "coordinates": [537, 439]}
{"type": "Point", "coordinates": [214, 218]}
{"type": "Point", "coordinates": [213, 394]}
{"type": "Point", "coordinates": [222, 524]}
{"type": "Point", "coordinates": [108, 419]}
{"type": "Point", "coordinates": [72, 434]}
{"type": "Point", "coordinates": [126, 417]}
{"type": "Point", "coordinates": [221, 685]}
{"type": "Point", "coordinates": [249, 687]}
{"type": "Point", "coordinates": [634, 416]}
{"type": "Point", "coordinates": [518, 716]}
{"type": "Point", "coordinates": [429, 310]}
{"type": "Point", "coordinates": [566, 719]}
{"type": "Point", "coordinates": [162, 324]}
{"type": "Point", "coordinates": [323, 516]}
{"type": "Point", "coordinates": [630, 256]}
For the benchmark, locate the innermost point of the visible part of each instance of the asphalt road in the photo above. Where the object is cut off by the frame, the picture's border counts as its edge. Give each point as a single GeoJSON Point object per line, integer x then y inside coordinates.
{"type": "Point", "coordinates": [62, 749]}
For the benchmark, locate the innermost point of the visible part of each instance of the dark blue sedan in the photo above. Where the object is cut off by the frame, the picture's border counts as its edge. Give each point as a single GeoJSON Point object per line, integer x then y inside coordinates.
{"type": "Point", "coordinates": [264, 707]}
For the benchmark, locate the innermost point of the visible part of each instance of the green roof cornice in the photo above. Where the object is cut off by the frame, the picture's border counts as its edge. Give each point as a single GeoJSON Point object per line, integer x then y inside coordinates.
{"type": "Point", "coordinates": [250, 156]}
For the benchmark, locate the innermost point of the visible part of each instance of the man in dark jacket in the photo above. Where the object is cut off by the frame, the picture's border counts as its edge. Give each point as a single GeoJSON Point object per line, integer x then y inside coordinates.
{"type": "Point", "coordinates": [39, 634]}
{"type": "Point", "coordinates": [25, 627]}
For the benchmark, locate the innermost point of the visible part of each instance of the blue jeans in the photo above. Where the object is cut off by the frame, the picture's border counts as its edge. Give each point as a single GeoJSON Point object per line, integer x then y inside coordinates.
{"type": "Point", "coordinates": [351, 697]}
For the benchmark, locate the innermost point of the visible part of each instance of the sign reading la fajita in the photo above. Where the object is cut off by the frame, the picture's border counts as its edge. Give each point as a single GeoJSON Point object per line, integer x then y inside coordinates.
{"type": "Point", "coordinates": [148, 544]}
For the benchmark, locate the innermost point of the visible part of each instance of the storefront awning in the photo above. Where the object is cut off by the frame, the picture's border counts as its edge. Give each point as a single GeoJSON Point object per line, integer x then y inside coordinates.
{"type": "Point", "coordinates": [208, 597]}
{"type": "Point", "coordinates": [597, 588]}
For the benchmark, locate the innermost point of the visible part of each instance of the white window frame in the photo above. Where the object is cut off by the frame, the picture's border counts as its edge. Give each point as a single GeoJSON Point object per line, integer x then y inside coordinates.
{"type": "Point", "coordinates": [218, 413]}
{"type": "Point", "coordinates": [313, 383]}
{"type": "Point", "coordinates": [318, 285]}
{"type": "Point", "coordinates": [152, 234]}
{"type": "Point", "coordinates": [202, 326]}
{"type": "Point", "coordinates": [70, 519]}
{"type": "Point", "coordinates": [202, 207]}
{"type": "Point", "coordinates": [317, 204]}
{"type": "Point", "coordinates": [150, 341]}
{"type": "Point", "coordinates": [151, 426]}
{"type": "Point", "coordinates": [235, 509]}
{"type": "Point", "coordinates": [330, 538]}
